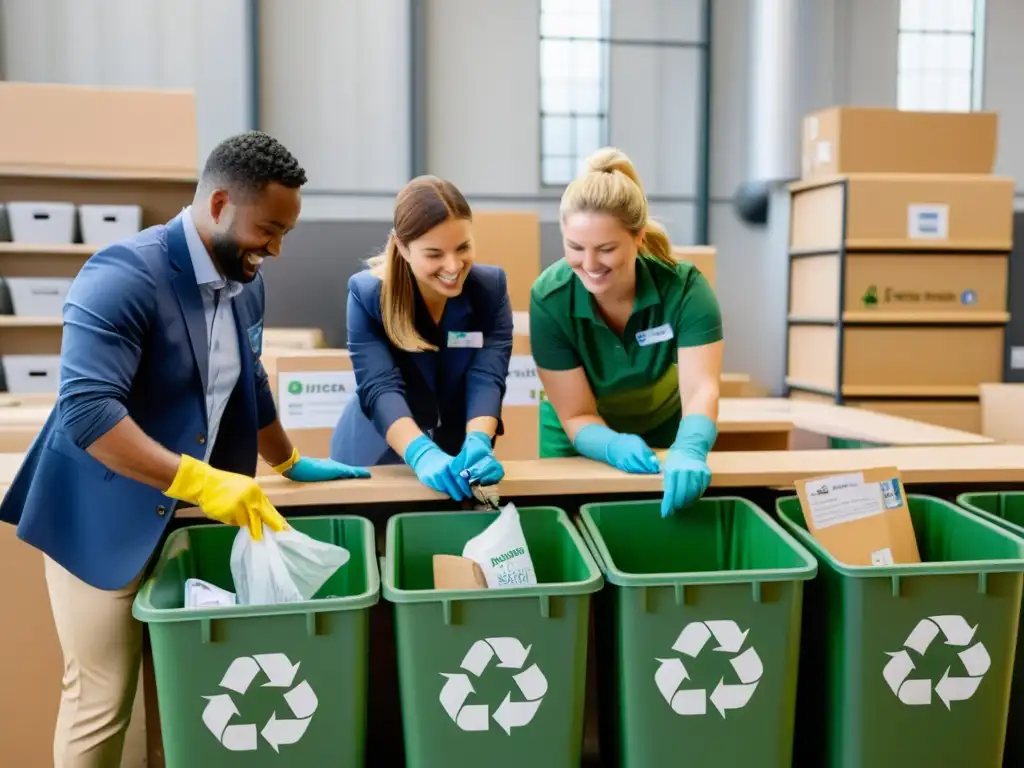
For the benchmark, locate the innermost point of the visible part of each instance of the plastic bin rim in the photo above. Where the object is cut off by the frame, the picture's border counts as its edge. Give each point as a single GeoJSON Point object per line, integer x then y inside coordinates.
{"type": "Point", "coordinates": [622, 578]}
{"type": "Point", "coordinates": [144, 611]}
{"type": "Point", "coordinates": [1013, 565]}
{"type": "Point", "coordinates": [965, 500]}
{"type": "Point", "coordinates": [393, 594]}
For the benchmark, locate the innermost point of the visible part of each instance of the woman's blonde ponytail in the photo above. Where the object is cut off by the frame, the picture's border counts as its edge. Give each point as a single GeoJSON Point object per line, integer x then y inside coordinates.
{"type": "Point", "coordinates": [612, 185]}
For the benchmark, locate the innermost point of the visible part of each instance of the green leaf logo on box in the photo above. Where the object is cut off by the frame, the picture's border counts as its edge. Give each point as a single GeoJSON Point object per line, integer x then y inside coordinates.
{"type": "Point", "coordinates": [294, 387]}
{"type": "Point", "coordinates": [870, 297]}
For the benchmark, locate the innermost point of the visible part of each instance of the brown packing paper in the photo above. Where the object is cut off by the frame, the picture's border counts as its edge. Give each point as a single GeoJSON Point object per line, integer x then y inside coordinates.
{"type": "Point", "coordinates": [454, 572]}
{"type": "Point", "coordinates": [862, 517]}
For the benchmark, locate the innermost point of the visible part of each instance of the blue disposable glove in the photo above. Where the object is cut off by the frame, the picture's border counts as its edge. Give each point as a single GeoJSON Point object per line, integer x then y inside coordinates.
{"type": "Point", "coordinates": [687, 475]}
{"type": "Point", "coordinates": [622, 451]}
{"type": "Point", "coordinates": [476, 461]}
{"type": "Point", "coordinates": [433, 467]}
{"type": "Point", "coordinates": [306, 470]}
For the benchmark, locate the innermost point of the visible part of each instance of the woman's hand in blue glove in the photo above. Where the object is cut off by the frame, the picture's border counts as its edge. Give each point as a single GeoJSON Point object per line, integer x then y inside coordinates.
{"type": "Point", "coordinates": [433, 467]}
{"type": "Point", "coordinates": [303, 469]}
{"type": "Point", "coordinates": [476, 461]}
{"type": "Point", "coordinates": [618, 449]}
{"type": "Point", "coordinates": [687, 475]}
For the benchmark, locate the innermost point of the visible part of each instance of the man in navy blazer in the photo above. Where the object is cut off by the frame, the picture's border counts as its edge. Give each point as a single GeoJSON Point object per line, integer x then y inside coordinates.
{"type": "Point", "coordinates": [163, 401]}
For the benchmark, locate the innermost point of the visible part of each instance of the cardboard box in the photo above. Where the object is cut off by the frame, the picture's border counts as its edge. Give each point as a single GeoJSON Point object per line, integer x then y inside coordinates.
{"type": "Point", "coordinates": [882, 212]}
{"type": "Point", "coordinates": [1002, 412]}
{"type": "Point", "coordinates": [510, 240]}
{"type": "Point", "coordinates": [293, 338]}
{"type": "Point", "coordinates": [843, 140]}
{"type": "Point", "coordinates": [519, 411]}
{"type": "Point", "coordinates": [701, 256]}
{"type": "Point", "coordinates": [311, 388]}
{"type": "Point", "coordinates": [961, 286]}
{"type": "Point", "coordinates": [861, 518]}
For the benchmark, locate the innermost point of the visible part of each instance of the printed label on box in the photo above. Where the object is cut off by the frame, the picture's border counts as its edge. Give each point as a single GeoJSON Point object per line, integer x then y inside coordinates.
{"type": "Point", "coordinates": [824, 149]}
{"type": "Point", "coordinates": [892, 496]}
{"type": "Point", "coordinates": [928, 222]}
{"type": "Point", "coordinates": [882, 557]}
{"type": "Point", "coordinates": [842, 499]}
{"type": "Point", "coordinates": [523, 385]}
{"type": "Point", "coordinates": [1016, 357]}
{"type": "Point", "coordinates": [313, 399]}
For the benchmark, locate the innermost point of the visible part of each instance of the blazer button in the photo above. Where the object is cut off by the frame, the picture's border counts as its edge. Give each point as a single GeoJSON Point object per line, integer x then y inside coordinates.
{"type": "Point", "coordinates": [161, 510]}
{"type": "Point", "coordinates": [201, 439]}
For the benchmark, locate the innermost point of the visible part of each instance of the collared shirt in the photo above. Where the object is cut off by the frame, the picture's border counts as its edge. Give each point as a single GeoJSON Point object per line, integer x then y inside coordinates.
{"type": "Point", "coordinates": [634, 377]}
{"type": "Point", "coordinates": [225, 364]}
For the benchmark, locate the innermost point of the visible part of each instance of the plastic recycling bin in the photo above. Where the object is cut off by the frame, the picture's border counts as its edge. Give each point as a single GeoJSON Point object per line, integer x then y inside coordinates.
{"type": "Point", "coordinates": [269, 685]}
{"type": "Point", "coordinates": [908, 666]}
{"type": "Point", "coordinates": [1007, 510]}
{"type": "Point", "coordinates": [490, 677]}
{"type": "Point", "coordinates": [697, 633]}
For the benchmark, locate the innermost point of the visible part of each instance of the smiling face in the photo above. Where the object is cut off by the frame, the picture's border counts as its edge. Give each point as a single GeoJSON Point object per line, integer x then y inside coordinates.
{"type": "Point", "coordinates": [600, 250]}
{"type": "Point", "coordinates": [251, 229]}
{"type": "Point", "coordinates": [441, 259]}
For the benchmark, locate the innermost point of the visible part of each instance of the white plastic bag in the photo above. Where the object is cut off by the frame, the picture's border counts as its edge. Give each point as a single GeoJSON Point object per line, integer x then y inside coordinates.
{"type": "Point", "coordinates": [283, 567]}
{"type": "Point", "coordinates": [501, 552]}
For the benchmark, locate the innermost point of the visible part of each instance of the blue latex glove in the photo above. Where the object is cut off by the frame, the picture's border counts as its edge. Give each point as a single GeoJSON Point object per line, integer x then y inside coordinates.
{"type": "Point", "coordinates": [622, 451]}
{"type": "Point", "coordinates": [687, 475]}
{"type": "Point", "coordinates": [476, 461]}
{"type": "Point", "coordinates": [302, 469]}
{"type": "Point", "coordinates": [433, 467]}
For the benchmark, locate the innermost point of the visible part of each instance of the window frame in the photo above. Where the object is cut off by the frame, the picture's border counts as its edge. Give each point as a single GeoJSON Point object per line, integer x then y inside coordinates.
{"type": "Point", "coordinates": [974, 75]}
{"type": "Point", "coordinates": [601, 114]}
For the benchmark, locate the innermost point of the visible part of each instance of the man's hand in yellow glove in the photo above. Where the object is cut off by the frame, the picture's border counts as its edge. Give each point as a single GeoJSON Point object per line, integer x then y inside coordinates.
{"type": "Point", "coordinates": [227, 497]}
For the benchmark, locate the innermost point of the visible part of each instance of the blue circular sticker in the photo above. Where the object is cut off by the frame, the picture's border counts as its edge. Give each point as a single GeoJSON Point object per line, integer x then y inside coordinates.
{"type": "Point", "coordinates": [968, 297]}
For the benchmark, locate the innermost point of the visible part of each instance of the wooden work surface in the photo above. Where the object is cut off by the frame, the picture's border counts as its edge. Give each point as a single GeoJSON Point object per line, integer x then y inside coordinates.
{"type": "Point", "coordinates": [843, 422]}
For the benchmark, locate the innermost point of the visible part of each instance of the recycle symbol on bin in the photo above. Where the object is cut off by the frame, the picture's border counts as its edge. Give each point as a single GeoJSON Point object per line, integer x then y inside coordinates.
{"type": "Point", "coordinates": [917, 691]}
{"type": "Point", "coordinates": [280, 673]}
{"type": "Point", "coordinates": [458, 687]}
{"type": "Point", "coordinates": [672, 673]}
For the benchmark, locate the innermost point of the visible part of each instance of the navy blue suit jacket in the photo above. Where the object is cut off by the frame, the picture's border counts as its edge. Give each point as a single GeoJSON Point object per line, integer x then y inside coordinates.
{"type": "Point", "coordinates": [440, 390]}
{"type": "Point", "coordinates": [134, 344]}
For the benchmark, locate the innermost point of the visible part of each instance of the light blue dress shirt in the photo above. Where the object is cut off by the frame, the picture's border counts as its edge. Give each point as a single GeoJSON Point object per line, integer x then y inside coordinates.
{"type": "Point", "coordinates": [221, 333]}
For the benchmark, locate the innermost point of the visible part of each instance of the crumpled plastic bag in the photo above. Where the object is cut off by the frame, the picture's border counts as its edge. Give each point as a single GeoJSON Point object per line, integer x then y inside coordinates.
{"type": "Point", "coordinates": [502, 553]}
{"type": "Point", "coordinates": [283, 567]}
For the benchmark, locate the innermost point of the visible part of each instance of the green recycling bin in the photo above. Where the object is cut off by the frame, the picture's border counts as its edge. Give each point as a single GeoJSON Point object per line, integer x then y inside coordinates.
{"type": "Point", "coordinates": [1006, 509]}
{"type": "Point", "coordinates": [490, 677]}
{"type": "Point", "coordinates": [268, 685]}
{"type": "Point", "coordinates": [909, 666]}
{"type": "Point", "coordinates": [697, 633]}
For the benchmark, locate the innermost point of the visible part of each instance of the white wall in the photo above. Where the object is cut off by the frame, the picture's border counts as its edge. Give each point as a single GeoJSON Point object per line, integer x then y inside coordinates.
{"type": "Point", "coordinates": [1003, 92]}
{"type": "Point", "coordinates": [142, 43]}
{"type": "Point", "coordinates": [335, 89]}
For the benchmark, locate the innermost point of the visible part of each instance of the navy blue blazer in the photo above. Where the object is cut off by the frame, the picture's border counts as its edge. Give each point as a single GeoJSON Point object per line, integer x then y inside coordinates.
{"type": "Point", "coordinates": [440, 390]}
{"type": "Point", "coordinates": [134, 344]}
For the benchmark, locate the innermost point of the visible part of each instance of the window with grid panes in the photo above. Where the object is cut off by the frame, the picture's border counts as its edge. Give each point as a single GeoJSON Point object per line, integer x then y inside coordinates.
{"type": "Point", "coordinates": [939, 54]}
{"type": "Point", "coordinates": [573, 85]}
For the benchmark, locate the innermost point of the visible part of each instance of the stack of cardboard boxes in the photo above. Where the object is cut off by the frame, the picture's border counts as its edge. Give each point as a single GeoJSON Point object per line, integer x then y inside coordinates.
{"type": "Point", "coordinates": [899, 251]}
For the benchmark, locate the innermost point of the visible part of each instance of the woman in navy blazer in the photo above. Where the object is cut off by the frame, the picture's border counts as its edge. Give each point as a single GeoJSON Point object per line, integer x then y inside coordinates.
{"type": "Point", "coordinates": [430, 336]}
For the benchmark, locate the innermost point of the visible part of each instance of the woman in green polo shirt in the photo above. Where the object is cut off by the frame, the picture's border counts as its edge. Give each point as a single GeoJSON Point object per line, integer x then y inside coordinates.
{"type": "Point", "coordinates": [627, 340]}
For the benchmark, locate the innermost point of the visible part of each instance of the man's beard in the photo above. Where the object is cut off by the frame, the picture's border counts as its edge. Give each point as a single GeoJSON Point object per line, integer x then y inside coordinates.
{"type": "Point", "coordinates": [229, 258]}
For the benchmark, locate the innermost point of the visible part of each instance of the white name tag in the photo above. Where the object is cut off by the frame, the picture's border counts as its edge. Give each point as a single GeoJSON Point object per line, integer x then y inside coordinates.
{"type": "Point", "coordinates": [465, 339]}
{"type": "Point", "coordinates": [654, 335]}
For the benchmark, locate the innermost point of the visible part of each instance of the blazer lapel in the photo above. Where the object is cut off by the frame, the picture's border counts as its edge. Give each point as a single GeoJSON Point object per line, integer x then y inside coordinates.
{"type": "Point", "coordinates": [189, 298]}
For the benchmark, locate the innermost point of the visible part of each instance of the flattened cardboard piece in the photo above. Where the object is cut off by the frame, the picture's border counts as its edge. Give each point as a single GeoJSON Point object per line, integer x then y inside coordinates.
{"type": "Point", "coordinates": [861, 518]}
{"type": "Point", "coordinates": [454, 572]}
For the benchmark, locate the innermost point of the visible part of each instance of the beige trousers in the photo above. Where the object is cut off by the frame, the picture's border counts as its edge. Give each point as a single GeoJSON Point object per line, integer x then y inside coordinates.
{"type": "Point", "coordinates": [102, 647]}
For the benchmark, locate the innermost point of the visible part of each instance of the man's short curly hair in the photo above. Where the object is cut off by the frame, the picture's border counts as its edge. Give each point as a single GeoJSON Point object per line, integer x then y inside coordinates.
{"type": "Point", "coordinates": [249, 161]}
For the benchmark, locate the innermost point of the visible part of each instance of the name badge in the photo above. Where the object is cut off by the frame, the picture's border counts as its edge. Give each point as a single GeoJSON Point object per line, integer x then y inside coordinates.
{"type": "Point", "coordinates": [654, 335]}
{"type": "Point", "coordinates": [256, 338]}
{"type": "Point", "coordinates": [465, 339]}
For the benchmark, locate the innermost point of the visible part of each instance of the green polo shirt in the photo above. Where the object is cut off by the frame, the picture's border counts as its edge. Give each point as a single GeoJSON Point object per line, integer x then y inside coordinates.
{"type": "Point", "coordinates": [634, 377]}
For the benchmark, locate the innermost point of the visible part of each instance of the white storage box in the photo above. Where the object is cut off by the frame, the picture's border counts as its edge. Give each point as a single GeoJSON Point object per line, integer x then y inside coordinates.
{"type": "Point", "coordinates": [42, 223]}
{"type": "Point", "coordinates": [31, 373]}
{"type": "Point", "coordinates": [105, 224]}
{"type": "Point", "coordinates": [38, 296]}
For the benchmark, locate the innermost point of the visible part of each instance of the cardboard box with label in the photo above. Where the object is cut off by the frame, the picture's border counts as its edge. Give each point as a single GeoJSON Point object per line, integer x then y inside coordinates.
{"type": "Point", "coordinates": [311, 388]}
{"type": "Point", "coordinates": [519, 409]}
{"type": "Point", "coordinates": [861, 518]}
{"type": "Point", "coordinates": [510, 240]}
{"type": "Point", "coordinates": [885, 140]}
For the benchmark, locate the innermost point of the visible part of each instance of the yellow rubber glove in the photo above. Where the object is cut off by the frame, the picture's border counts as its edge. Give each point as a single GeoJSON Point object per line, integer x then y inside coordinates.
{"type": "Point", "coordinates": [227, 497]}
